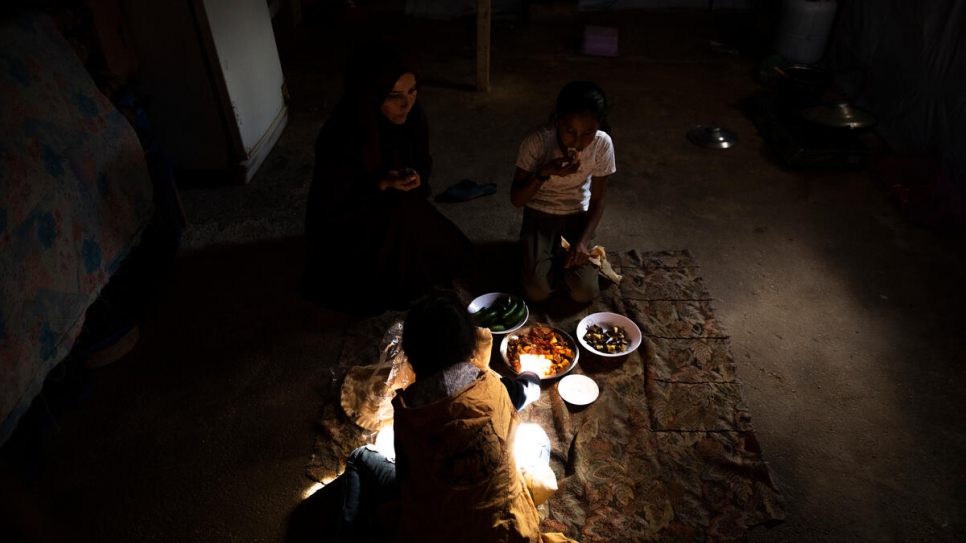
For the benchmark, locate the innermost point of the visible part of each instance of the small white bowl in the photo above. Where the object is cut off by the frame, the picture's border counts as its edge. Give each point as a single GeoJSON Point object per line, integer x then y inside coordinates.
{"type": "Point", "coordinates": [487, 300]}
{"type": "Point", "coordinates": [578, 389]}
{"type": "Point", "coordinates": [633, 333]}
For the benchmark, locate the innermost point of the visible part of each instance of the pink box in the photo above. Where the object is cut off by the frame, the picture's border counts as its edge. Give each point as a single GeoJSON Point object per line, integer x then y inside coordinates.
{"type": "Point", "coordinates": [600, 41]}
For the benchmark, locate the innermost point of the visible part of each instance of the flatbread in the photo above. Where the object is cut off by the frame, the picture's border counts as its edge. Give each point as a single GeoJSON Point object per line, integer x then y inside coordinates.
{"type": "Point", "coordinates": [572, 154]}
{"type": "Point", "coordinates": [484, 347]}
{"type": "Point", "coordinates": [598, 257]}
{"type": "Point", "coordinates": [365, 396]}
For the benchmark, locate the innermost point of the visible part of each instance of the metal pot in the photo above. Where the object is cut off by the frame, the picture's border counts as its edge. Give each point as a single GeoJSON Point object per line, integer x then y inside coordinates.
{"type": "Point", "coordinates": [839, 120]}
{"type": "Point", "coordinates": [802, 83]}
{"type": "Point", "coordinates": [712, 137]}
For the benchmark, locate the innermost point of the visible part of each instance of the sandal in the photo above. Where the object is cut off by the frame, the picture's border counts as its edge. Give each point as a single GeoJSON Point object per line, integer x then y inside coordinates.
{"type": "Point", "coordinates": [465, 190]}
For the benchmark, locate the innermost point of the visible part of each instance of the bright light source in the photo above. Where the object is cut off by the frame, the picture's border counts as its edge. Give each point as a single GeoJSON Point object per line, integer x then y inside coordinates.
{"type": "Point", "coordinates": [531, 441]}
{"type": "Point", "coordinates": [537, 363]}
{"type": "Point", "coordinates": [385, 442]}
{"type": "Point", "coordinates": [532, 453]}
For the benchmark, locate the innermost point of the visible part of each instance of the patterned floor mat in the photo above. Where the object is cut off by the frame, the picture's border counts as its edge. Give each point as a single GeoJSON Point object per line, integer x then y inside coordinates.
{"type": "Point", "coordinates": [666, 453]}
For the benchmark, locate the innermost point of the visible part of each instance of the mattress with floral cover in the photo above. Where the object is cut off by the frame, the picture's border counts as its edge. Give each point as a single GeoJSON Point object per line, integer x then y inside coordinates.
{"type": "Point", "coordinates": [75, 195]}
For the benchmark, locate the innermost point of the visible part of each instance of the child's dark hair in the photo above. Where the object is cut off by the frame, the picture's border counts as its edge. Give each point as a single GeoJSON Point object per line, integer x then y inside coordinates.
{"type": "Point", "coordinates": [438, 332]}
{"type": "Point", "coordinates": [583, 97]}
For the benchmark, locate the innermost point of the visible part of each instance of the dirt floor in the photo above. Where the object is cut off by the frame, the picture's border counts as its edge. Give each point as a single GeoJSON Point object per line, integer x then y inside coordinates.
{"type": "Point", "coordinates": [843, 316]}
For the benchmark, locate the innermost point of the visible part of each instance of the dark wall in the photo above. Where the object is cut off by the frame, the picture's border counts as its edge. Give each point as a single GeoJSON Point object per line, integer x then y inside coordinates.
{"type": "Point", "coordinates": [915, 56]}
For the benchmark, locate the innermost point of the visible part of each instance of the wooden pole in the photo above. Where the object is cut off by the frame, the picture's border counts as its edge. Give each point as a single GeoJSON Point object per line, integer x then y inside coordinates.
{"type": "Point", "coordinates": [483, 45]}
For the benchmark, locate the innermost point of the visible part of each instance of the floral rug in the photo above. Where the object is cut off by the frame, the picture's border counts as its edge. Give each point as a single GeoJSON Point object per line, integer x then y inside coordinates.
{"type": "Point", "coordinates": [666, 452]}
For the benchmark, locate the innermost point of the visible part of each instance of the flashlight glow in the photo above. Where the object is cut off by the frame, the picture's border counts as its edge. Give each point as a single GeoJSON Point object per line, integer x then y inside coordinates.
{"type": "Point", "coordinates": [537, 363]}
{"type": "Point", "coordinates": [385, 442]}
{"type": "Point", "coordinates": [531, 439]}
{"type": "Point", "coordinates": [311, 490]}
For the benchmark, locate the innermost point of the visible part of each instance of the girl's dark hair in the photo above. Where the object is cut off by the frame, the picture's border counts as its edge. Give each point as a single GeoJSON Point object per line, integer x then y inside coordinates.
{"type": "Point", "coordinates": [583, 97]}
{"type": "Point", "coordinates": [373, 68]}
{"type": "Point", "coordinates": [438, 332]}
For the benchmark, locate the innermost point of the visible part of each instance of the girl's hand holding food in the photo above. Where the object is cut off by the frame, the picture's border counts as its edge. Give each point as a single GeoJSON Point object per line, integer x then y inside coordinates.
{"type": "Point", "coordinates": [578, 255]}
{"type": "Point", "coordinates": [404, 181]}
{"type": "Point", "coordinates": [559, 166]}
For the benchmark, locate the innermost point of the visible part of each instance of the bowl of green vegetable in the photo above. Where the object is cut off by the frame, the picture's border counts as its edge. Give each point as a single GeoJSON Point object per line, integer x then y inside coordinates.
{"type": "Point", "coordinates": [500, 312]}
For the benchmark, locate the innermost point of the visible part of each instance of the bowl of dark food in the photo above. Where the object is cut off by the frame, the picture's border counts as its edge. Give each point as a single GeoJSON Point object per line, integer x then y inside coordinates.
{"type": "Point", "coordinates": [550, 351]}
{"type": "Point", "coordinates": [502, 313]}
{"type": "Point", "coordinates": [609, 334]}
{"type": "Point", "coordinates": [801, 82]}
{"type": "Point", "coordinates": [797, 84]}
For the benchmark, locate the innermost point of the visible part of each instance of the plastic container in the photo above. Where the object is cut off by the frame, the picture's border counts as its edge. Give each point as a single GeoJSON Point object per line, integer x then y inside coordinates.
{"type": "Point", "coordinates": [600, 41]}
{"type": "Point", "coordinates": [804, 28]}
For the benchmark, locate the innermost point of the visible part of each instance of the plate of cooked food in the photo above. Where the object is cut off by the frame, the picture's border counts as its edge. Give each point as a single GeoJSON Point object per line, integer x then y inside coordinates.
{"type": "Point", "coordinates": [548, 351]}
{"type": "Point", "coordinates": [609, 334]}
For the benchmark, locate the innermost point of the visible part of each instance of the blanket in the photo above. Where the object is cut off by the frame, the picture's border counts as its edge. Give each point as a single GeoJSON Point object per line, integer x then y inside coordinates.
{"type": "Point", "coordinates": [667, 451]}
{"type": "Point", "coordinates": [75, 195]}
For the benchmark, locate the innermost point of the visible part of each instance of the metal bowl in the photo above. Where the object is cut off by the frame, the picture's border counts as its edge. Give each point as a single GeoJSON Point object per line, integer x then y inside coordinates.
{"type": "Point", "coordinates": [712, 137]}
{"type": "Point", "coordinates": [842, 117]}
{"type": "Point", "coordinates": [524, 331]}
{"type": "Point", "coordinates": [802, 83]}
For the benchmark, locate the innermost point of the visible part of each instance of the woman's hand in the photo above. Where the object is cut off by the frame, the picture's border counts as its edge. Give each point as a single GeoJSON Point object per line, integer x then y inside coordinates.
{"type": "Point", "coordinates": [559, 166]}
{"type": "Point", "coordinates": [404, 181]}
{"type": "Point", "coordinates": [578, 255]}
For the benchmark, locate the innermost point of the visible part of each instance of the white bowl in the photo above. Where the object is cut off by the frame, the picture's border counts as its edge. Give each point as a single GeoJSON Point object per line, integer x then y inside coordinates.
{"type": "Point", "coordinates": [570, 343]}
{"type": "Point", "coordinates": [487, 300]}
{"type": "Point", "coordinates": [631, 330]}
{"type": "Point", "coordinates": [578, 389]}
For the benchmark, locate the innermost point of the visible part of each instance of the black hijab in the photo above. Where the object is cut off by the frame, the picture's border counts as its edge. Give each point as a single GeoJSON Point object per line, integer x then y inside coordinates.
{"type": "Point", "coordinates": [372, 71]}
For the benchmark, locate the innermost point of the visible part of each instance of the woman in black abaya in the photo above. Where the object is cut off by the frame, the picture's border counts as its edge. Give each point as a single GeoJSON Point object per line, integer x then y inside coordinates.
{"type": "Point", "coordinates": [377, 242]}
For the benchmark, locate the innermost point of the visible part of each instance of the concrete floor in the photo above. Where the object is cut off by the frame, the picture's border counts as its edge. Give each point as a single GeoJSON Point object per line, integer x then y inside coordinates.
{"type": "Point", "coordinates": [843, 317]}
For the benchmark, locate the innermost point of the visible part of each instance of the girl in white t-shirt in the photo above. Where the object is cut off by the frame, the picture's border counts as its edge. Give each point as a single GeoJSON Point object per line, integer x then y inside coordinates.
{"type": "Point", "coordinates": [561, 179]}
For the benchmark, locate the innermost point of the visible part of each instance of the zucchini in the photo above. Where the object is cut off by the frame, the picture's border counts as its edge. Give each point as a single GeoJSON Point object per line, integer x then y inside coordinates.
{"type": "Point", "coordinates": [485, 316]}
{"type": "Point", "coordinates": [501, 315]}
{"type": "Point", "coordinates": [509, 310]}
{"type": "Point", "coordinates": [518, 314]}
